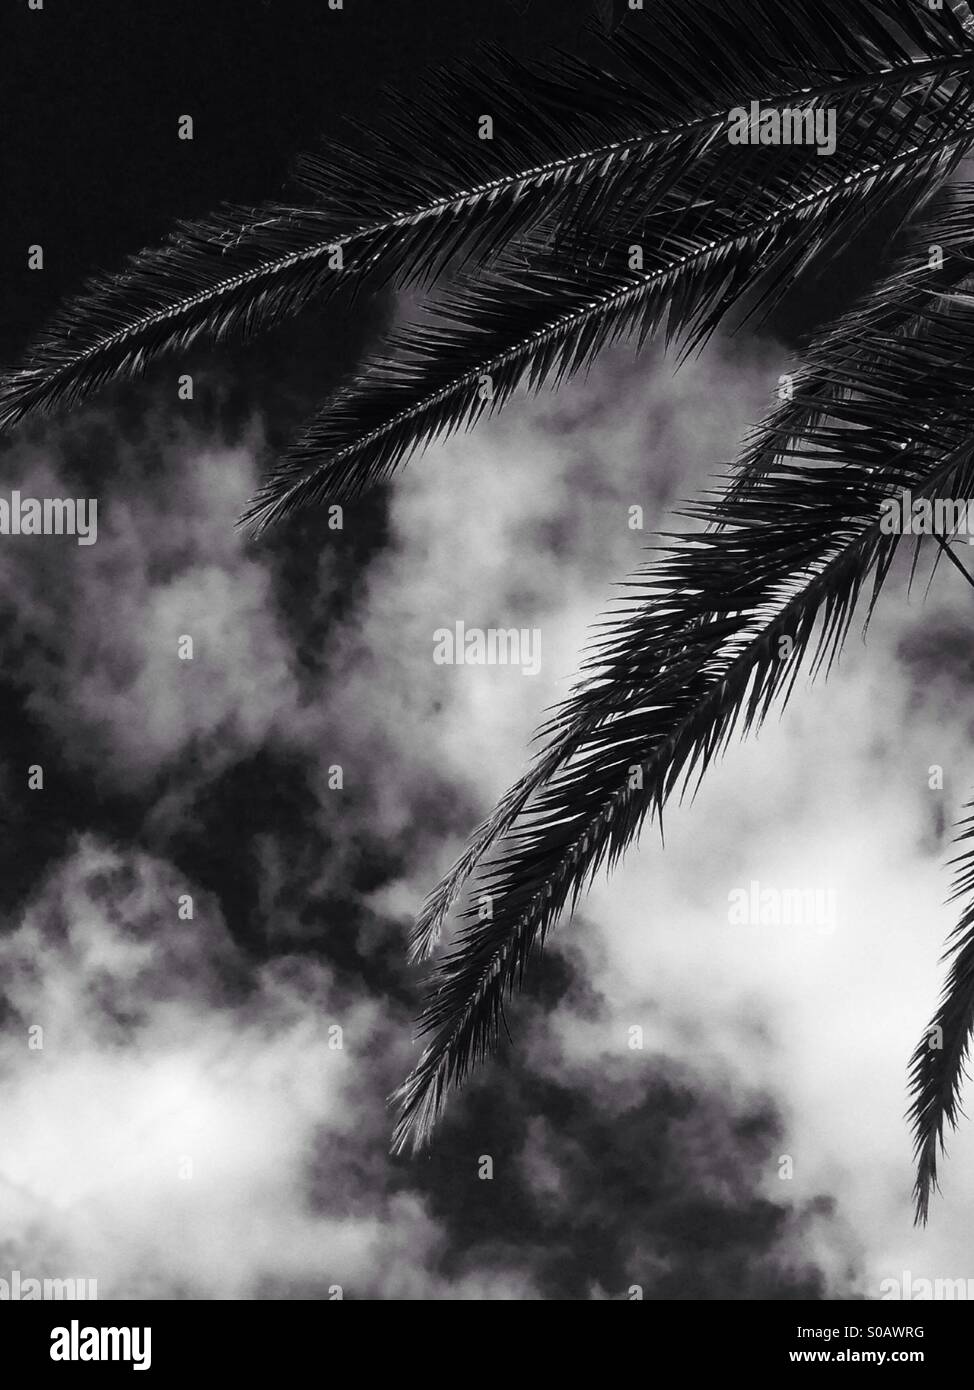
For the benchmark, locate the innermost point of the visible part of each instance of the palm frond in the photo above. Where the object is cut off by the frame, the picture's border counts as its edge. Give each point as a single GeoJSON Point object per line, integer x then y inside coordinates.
{"type": "Point", "coordinates": [897, 307]}
{"type": "Point", "coordinates": [587, 146]}
{"type": "Point", "coordinates": [938, 1065]}
{"type": "Point", "coordinates": [422, 193]}
{"type": "Point", "coordinates": [537, 316]}
{"type": "Point", "coordinates": [698, 639]}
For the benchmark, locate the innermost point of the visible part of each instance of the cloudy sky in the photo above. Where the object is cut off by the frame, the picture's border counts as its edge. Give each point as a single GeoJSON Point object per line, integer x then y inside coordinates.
{"type": "Point", "coordinates": [207, 1115]}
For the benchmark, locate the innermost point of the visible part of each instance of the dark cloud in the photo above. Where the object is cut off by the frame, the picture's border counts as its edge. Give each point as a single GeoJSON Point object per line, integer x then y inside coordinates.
{"type": "Point", "coordinates": [602, 1182]}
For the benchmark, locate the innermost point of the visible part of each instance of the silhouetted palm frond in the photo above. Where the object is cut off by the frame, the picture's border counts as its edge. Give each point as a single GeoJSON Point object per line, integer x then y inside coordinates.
{"type": "Point", "coordinates": [540, 313]}
{"type": "Point", "coordinates": [898, 306]}
{"type": "Point", "coordinates": [712, 635]}
{"type": "Point", "coordinates": [938, 1066]}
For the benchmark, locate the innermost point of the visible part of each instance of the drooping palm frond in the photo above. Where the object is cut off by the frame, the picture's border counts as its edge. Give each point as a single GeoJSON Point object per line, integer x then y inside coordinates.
{"type": "Point", "coordinates": [539, 314]}
{"type": "Point", "coordinates": [588, 147]}
{"type": "Point", "coordinates": [700, 644]}
{"type": "Point", "coordinates": [422, 192]}
{"type": "Point", "coordinates": [897, 307]}
{"type": "Point", "coordinates": [938, 1065]}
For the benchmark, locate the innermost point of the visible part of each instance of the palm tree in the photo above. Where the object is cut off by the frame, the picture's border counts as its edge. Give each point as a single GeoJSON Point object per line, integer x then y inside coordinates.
{"type": "Point", "coordinates": [539, 214]}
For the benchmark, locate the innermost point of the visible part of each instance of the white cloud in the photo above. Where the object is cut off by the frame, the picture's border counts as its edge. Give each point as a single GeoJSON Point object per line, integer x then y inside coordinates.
{"type": "Point", "coordinates": [101, 647]}
{"type": "Point", "coordinates": [173, 1139]}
